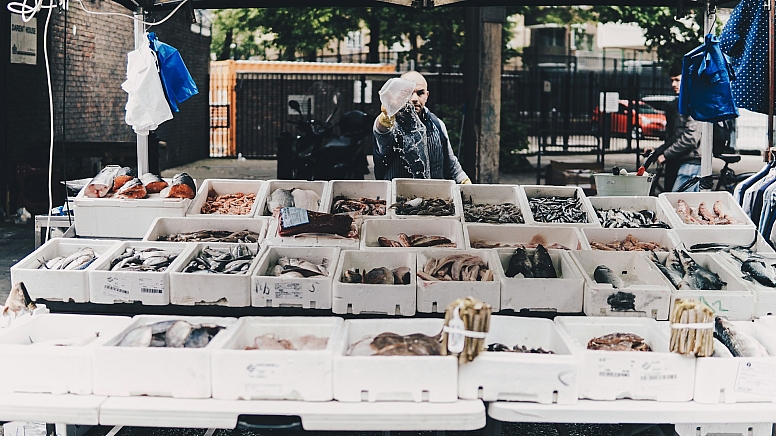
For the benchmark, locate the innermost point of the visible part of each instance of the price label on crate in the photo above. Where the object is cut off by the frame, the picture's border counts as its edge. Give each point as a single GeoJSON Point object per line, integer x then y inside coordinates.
{"type": "Point", "coordinates": [264, 378]}
{"type": "Point", "coordinates": [116, 287]}
{"type": "Point", "coordinates": [151, 285]}
{"type": "Point", "coordinates": [615, 372]}
{"type": "Point", "coordinates": [654, 373]}
{"type": "Point", "coordinates": [288, 291]}
{"type": "Point", "coordinates": [756, 378]}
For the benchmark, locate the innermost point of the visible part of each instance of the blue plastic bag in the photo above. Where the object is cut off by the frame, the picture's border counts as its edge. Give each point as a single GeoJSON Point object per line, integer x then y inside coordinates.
{"type": "Point", "coordinates": [176, 80]}
{"type": "Point", "coordinates": [705, 92]}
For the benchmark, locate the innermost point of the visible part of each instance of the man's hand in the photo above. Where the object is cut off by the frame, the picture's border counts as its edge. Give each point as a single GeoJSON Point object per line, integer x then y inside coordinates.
{"type": "Point", "coordinates": [385, 120]}
{"type": "Point", "coordinates": [661, 159]}
{"type": "Point", "coordinates": [467, 181]}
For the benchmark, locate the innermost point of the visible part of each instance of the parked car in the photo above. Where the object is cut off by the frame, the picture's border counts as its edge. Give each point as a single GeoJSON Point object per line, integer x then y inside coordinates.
{"type": "Point", "coordinates": [646, 121]}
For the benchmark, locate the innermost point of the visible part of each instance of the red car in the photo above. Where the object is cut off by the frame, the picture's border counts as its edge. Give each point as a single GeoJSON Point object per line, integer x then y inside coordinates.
{"type": "Point", "coordinates": [648, 122]}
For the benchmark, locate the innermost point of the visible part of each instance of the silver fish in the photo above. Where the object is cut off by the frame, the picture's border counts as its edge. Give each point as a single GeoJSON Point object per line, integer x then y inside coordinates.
{"type": "Point", "coordinates": [102, 183]}
{"type": "Point", "coordinates": [672, 275]}
{"type": "Point", "coordinates": [177, 334]}
{"type": "Point", "coordinates": [604, 274]}
{"type": "Point", "coordinates": [738, 342]}
{"type": "Point", "coordinates": [137, 337]}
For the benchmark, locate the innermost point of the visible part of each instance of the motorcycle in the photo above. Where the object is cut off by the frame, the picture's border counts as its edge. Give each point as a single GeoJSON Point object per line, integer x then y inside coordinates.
{"type": "Point", "coordinates": [324, 150]}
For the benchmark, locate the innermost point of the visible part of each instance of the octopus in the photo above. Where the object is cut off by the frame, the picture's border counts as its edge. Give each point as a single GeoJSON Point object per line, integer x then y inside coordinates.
{"type": "Point", "coordinates": [619, 342]}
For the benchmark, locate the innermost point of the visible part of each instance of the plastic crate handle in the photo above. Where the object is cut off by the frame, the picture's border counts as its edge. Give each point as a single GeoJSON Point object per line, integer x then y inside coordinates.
{"type": "Point", "coordinates": [270, 422]}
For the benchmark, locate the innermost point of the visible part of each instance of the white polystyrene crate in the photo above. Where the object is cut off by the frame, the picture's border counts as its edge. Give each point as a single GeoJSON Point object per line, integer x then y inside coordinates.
{"type": "Point", "coordinates": [305, 292]}
{"type": "Point", "coordinates": [232, 290]}
{"type": "Point", "coordinates": [693, 199]}
{"type": "Point", "coordinates": [130, 218]}
{"type": "Point", "coordinates": [736, 299]}
{"type": "Point", "coordinates": [764, 296]}
{"type": "Point", "coordinates": [393, 378]}
{"type": "Point", "coordinates": [728, 429]}
{"type": "Point", "coordinates": [728, 379]}
{"type": "Point", "coordinates": [562, 294]}
{"type": "Point", "coordinates": [665, 237]}
{"type": "Point", "coordinates": [358, 298]}
{"type": "Point", "coordinates": [644, 284]}
{"type": "Point", "coordinates": [511, 235]}
{"type": "Point", "coordinates": [634, 204]}
{"type": "Point", "coordinates": [319, 187]}
{"type": "Point", "coordinates": [533, 191]}
{"type": "Point", "coordinates": [505, 376]}
{"type": "Point", "coordinates": [167, 226]}
{"type": "Point", "coordinates": [153, 288]}
{"type": "Point", "coordinates": [435, 296]}
{"type": "Point", "coordinates": [155, 371]}
{"type": "Point", "coordinates": [371, 230]}
{"type": "Point", "coordinates": [227, 186]}
{"type": "Point", "coordinates": [491, 194]}
{"type": "Point", "coordinates": [34, 363]}
{"type": "Point", "coordinates": [425, 188]}
{"type": "Point", "coordinates": [58, 285]}
{"type": "Point", "coordinates": [314, 239]}
{"type": "Point", "coordinates": [304, 375]}
{"type": "Point", "coordinates": [641, 375]}
{"type": "Point", "coordinates": [711, 236]}
{"type": "Point", "coordinates": [355, 189]}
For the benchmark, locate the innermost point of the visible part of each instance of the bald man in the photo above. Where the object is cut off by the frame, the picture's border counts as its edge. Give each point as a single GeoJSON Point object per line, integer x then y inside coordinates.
{"type": "Point", "coordinates": [414, 145]}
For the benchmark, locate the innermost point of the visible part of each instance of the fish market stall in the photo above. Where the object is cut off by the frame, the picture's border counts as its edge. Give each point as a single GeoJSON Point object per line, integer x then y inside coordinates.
{"type": "Point", "coordinates": [208, 229]}
{"type": "Point", "coordinates": [393, 235]}
{"type": "Point", "coordinates": [365, 198]}
{"type": "Point", "coordinates": [292, 193]}
{"type": "Point", "coordinates": [558, 206]}
{"type": "Point", "coordinates": [631, 239]}
{"type": "Point", "coordinates": [509, 235]}
{"type": "Point", "coordinates": [447, 275]}
{"type": "Point", "coordinates": [631, 211]}
{"type": "Point", "coordinates": [492, 204]}
{"type": "Point", "coordinates": [426, 199]}
{"type": "Point", "coordinates": [695, 209]}
{"type": "Point", "coordinates": [228, 198]}
{"type": "Point", "coordinates": [295, 277]}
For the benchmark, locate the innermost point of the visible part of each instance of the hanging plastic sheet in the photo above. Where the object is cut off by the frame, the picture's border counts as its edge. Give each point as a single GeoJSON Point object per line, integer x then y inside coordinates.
{"type": "Point", "coordinates": [147, 106]}
{"type": "Point", "coordinates": [705, 93]}
{"type": "Point", "coordinates": [177, 82]}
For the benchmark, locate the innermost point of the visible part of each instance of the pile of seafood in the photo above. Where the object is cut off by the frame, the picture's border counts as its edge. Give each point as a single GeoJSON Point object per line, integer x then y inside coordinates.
{"type": "Point", "coordinates": [271, 341]}
{"type": "Point", "coordinates": [378, 276]}
{"type": "Point", "coordinates": [123, 182]}
{"type": "Point", "coordinates": [685, 273]}
{"type": "Point", "coordinates": [456, 267]}
{"type": "Point", "coordinates": [298, 268]}
{"type": "Point", "coordinates": [143, 259]}
{"type": "Point", "coordinates": [228, 204]}
{"type": "Point", "coordinates": [506, 213]}
{"type": "Point", "coordinates": [737, 341]}
{"type": "Point", "coordinates": [618, 218]}
{"type": "Point", "coordinates": [82, 258]}
{"type": "Point", "coordinates": [227, 260]}
{"type": "Point", "coordinates": [604, 274]}
{"type": "Point", "coordinates": [702, 215]}
{"type": "Point", "coordinates": [392, 344]}
{"type": "Point", "coordinates": [362, 206]}
{"type": "Point", "coordinates": [619, 342]}
{"type": "Point", "coordinates": [424, 206]}
{"type": "Point", "coordinates": [170, 334]}
{"type": "Point", "coordinates": [518, 349]}
{"type": "Point", "coordinates": [755, 267]}
{"type": "Point", "coordinates": [558, 209]}
{"type": "Point", "coordinates": [537, 266]}
{"type": "Point", "coordinates": [630, 243]}
{"type": "Point", "coordinates": [295, 197]}
{"type": "Point", "coordinates": [241, 236]}
{"type": "Point", "coordinates": [477, 243]}
{"type": "Point", "coordinates": [404, 240]}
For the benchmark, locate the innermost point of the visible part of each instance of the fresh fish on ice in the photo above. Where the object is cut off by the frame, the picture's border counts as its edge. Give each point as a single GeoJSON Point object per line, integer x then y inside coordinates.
{"type": "Point", "coordinates": [102, 183]}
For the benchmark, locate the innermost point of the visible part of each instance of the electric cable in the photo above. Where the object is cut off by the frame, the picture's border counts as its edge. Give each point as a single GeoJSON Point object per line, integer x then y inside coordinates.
{"type": "Point", "coordinates": [23, 9]}
{"type": "Point", "coordinates": [64, 118]}
{"type": "Point", "coordinates": [51, 124]}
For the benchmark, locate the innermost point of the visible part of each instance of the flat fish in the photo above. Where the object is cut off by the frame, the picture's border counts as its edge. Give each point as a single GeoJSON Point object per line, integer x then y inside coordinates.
{"type": "Point", "coordinates": [124, 175]}
{"type": "Point", "coordinates": [738, 342]}
{"type": "Point", "coordinates": [102, 183]}
{"type": "Point", "coordinates": [153, 183]}
{"type": "Point", "coordinates": [132, 189]}
{"type": "Point", "coordinates": [519, 264]}
{"type": "Point", "coordinates": [306, 199]}
{"type": "Point", "coordinates": [279, 198]}
{"type": "Point", "coordinates": [182, 187]}
{"type": "Point", "coordinates": [542, 264]}
{"type": "Point", "coordinates": [604, 274]}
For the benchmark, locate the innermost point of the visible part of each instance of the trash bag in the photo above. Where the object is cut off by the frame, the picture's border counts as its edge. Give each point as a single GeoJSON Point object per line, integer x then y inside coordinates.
{"type": "Point", "coordinates": [146, 104]}
{"type": "Point", "coordinates": [177, 82]}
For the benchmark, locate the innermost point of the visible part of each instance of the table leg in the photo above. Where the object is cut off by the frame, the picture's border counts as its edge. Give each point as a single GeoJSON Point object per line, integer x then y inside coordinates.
{"type": "Point", "coordinates": [493, 427]}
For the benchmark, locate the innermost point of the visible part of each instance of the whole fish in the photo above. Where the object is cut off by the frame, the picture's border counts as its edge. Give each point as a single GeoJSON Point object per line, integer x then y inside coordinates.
{"type": "Point", "coordinates": [182, 187]}
{"type": "Point", "coordinates": [123, 175]}
{"type": "Point", "coordinates": [542, 264]}
{"type": "Point", "coordinates": [153, 183]}
{"type": "Point", "coordinates": [738, 342]}
{"type": "Point", "coordinates": [279, 198]}
{"type": "Point", "coordinates": [696, 276]}
{"type": "Point", "coordinates": [306, 199]}
{"type": "Point", "coordinates": [759, 271]}
{"type": "Point", "coordinates": [519, 264]}
{"type": "Point", "coordinates": [171, 334]}
{"type": "Point", "coordinates": [604, 274]}
{"type": "Point", "coordinates": [132, 189]}
{"type": "Point", "coordinates": [672, 275]}
{"type": "Point", "coordinates": [102, 183]}
{"type": "Point", "coordinates": [18, 302]}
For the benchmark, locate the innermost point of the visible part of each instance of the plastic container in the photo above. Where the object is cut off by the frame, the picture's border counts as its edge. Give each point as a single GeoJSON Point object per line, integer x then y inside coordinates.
{"type": "Point", "coordinates": [109, 217]}
{"type": "Point", "coordinates": [727, 379]}
{"type": "Point", "coordinates": [147, 287]}
{"type": "Point", "coordinates": [355, 298]}
{"type": "Point", "coordinates": [533, 191]}
{"type": "Point", "coordinates": [157, 372]}
{"type": "Point", "coordinates": [633, 203]}
{"type": "Point", "coordinates": [563, 294]}
{"type": "Point", "coordinates": [304, 292]}
{"type": "Point", "coordinates": [304, 375]}
{"type": "Point", "coordinates": [505, 376]}
{"type": "Point", "coordinates": [435, 296]}
{"type": "Point", "coordinates": [395, 94]}
{"type": "Point", "coordinates": [231, 290]}
{"type": "Point", "coordinates": [227, 186]}
{"type": "Point", "coordinates": [609, 375]}
{"type": "Point", "coordinates": [355, 189]}
{"type": "Point", "coordinates": [491, 194]}
{"type": "Point", "coordinates": [313, 239]}
{"type": "Point", "coordinates": [58, 285]}
{"type": "Point", "coordinates": [627, 185]}
{"type": "Point", "coordinates": [734, 237]}
{"type": "Point", "coordinates": [511, 235]}
{"type": "Point", "coordinates": [664, 237]}
{"type": "Point", "coordinates": [645, 294]}
{"type": "Point", "coordinates": [34, 363]}
{"type": "Point", "coordinates": [371, 230]}
{"type": "Point", "coordinates": [319, 187]}
{"type": "Point", "coordinates": [167, 226]}
{"type": "Point", "coordinates": [425, 188]}
{"type": "Point", "coordinates": [694, 199]}
{"type": "Point", "coordinates": [393, 378]}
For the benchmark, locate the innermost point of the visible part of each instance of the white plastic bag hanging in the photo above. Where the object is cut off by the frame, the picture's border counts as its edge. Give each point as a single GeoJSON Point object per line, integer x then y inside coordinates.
{"type": "Point", "coordinates": [147, 107]}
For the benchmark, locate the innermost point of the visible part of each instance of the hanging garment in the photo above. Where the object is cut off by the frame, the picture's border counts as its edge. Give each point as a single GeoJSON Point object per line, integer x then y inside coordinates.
{"type": "Point", "coordinates": [751, 193]}
{"type": "Point", "coordinates": [177, 82]}
{"type": "Point", "coordinates": [146, 105]}
{"type": "Point", "coordinates": [738, 192]}
{"type": "Point", "coordinates": [768, 214]}
{"type": "Point", "coordinates": [759, 197]}
{"type": "Point", "coordinates": [744, 38]}
{"type": "Point", "coordinates": [705, 91]}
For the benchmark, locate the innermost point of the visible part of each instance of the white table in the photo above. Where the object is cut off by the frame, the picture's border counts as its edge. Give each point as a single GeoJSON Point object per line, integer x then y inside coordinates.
{"type": "Point", "coordinates": [71, 409]}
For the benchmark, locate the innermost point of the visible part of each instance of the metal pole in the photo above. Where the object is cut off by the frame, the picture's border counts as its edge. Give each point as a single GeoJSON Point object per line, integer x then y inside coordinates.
{"type": "Point", "coordinates": [771, 60]}
{"type": "Point", "coordinates": [142, 140]}
{"type": "Point", "coordinates": [707, 130]}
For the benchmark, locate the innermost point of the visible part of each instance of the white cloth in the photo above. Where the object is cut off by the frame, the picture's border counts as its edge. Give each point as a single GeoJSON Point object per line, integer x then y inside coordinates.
{"type": "Point", "coordinates": [146, 106]}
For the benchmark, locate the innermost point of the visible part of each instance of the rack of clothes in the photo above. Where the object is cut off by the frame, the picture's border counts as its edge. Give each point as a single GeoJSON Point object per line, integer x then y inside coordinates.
{"type": "Point", "coordinates": [757, 197]}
